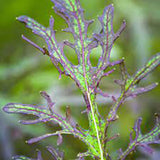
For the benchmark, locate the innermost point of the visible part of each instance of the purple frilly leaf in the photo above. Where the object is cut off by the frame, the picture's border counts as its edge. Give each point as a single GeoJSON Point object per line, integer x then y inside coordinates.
{"type": "Point", "coordinates": [141, 90]}
{"type": "Point", "coordinates": [86, 77]}
{"type": "Point", "coordinates": [141, 140]}
{"type": "Point", "coordinates": [130, 84]}
{"type": "Point", "coordinates": [45, 33]}
{"type": "Point", "coordinates": [72, 12]}
{"type": "Point", "coordinates": [54, 49]}
{"type": "Point", "coordinates": [107, 36]}
{"type": "Point", "coordinates": [148, 67]}
{"type": "Point", "coordinates": [44, 114]}
{"type": "Point", "coordinates": [41, 112]}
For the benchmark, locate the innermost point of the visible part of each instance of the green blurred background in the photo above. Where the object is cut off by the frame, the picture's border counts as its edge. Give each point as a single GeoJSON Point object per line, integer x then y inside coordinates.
{"type": "Point", "coordinates": [24, 72]}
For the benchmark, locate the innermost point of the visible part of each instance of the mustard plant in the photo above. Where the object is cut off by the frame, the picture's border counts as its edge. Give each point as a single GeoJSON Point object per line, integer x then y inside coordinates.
{"type": "Point", "coordinates": [87, 79]}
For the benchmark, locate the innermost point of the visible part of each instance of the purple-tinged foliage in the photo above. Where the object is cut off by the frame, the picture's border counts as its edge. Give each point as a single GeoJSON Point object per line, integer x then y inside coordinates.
{"type": "Point", "coordinates": [87, 79]}
{"type": "Point", "coordinates": [129, 83]}
{"type": "Point", "coordinates": [85, 76]}
{"type": "Point", "coordinates": [47, 113]}
{"type": "Point", "coordinates": [57, 155]}
{"type": "Point", "coordinates": [107, 36]}
{"type": "Point", "coordinates": [141, 140]}
{"type": "Point", "coordinates": [44, 114]}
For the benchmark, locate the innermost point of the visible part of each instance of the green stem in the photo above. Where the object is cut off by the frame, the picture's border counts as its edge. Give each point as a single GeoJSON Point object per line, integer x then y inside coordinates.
{"type": "Point", "coordinates": [95, 124]}
{"type": "Point", "coordinates": [113, 112]}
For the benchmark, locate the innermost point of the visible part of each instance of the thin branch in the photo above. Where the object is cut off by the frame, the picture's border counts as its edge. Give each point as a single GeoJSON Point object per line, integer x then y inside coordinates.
{"type": "Point", "coordinates": [33, 44]}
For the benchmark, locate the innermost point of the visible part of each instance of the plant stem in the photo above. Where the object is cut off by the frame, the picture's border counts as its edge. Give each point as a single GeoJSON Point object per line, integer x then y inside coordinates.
{"type": "Point", "coordinates": [95, 124]}
{"type": "Point", "coordinates": [92, 117]}
{"type": "Point", "coordinates": [113, 111]}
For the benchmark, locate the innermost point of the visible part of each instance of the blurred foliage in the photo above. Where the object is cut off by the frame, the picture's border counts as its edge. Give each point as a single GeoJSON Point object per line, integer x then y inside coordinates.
{"type": "Point", "coordinates": [24, 72]}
